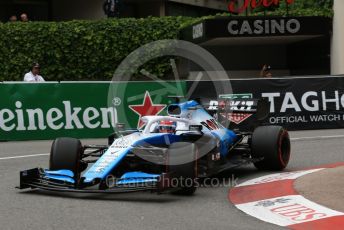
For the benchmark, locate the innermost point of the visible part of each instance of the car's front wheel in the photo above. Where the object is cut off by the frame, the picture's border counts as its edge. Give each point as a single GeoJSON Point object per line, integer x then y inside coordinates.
{"type": "Point", "coordinates": [66, 153]}
{"type": "Point", "coordinates": [182, 163]}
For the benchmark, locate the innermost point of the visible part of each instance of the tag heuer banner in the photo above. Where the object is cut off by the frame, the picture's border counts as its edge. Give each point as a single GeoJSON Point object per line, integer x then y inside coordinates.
{"type": "Point", "coordinates": [82, 110]}
{"type": "Point", "coordinates": [295, 103]}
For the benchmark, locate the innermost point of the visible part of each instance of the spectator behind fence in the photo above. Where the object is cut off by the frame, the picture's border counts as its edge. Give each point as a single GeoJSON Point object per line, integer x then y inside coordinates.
{"type": "Point", "coordinates": [266, 71]}
{"type": "Point", "coordinates": [24, 17]}
{"type": "Point", "coordinates": [13, 18]}
{"type": "Point", "coordinates": [33, 75]}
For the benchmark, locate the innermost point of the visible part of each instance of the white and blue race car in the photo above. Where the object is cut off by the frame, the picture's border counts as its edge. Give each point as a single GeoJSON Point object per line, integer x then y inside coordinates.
{"type": "Point", "coordinates": [168, 154]}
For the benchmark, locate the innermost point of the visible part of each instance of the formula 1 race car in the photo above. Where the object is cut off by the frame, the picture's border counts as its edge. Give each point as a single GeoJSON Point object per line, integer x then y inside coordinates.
{"type": "Point", "coordinates": [168, 154]}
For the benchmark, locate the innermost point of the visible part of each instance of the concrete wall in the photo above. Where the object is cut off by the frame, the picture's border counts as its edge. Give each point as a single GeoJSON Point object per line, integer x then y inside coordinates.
{"type": "Point", "coordinates": [154, 8]}
{"type": "Point", "coordinates": [337, 55]}
{"type": "Point", "coordinates": [247, 74]}
{"type": "Point", "coordinates": [77, 9]}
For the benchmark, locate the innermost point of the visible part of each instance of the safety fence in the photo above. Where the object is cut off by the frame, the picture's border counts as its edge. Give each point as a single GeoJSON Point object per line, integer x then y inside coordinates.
{"type": "Point", "coordinates": [92, 109]}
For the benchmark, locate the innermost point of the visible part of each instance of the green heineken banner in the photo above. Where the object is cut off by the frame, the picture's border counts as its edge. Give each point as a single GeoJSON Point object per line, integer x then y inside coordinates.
{"type": "Point", "coordinates": [82, 110]}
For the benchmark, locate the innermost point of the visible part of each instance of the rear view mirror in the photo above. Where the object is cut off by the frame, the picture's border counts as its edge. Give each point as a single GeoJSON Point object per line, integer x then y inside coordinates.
{"type": "Point", "coordinates": [120, 126]}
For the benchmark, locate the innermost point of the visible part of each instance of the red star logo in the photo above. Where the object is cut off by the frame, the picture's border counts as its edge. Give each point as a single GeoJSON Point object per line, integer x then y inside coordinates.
{"type": "Point", "coordinates": [147, 108]}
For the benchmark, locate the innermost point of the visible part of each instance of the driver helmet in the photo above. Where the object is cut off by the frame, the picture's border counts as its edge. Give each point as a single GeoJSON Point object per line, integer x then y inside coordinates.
{"type": "Point", "coordinates": [167, 126]}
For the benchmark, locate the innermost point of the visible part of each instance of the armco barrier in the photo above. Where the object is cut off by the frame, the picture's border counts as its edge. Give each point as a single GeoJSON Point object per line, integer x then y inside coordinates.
{"type": "Point", "coordinates": [76, 109]}
{"type": "Point", "coordinates": [296, 103]}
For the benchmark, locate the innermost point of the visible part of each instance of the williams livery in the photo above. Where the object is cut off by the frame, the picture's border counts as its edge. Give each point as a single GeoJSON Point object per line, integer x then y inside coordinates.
{"type": "Point", "coordinates": [168, 154]}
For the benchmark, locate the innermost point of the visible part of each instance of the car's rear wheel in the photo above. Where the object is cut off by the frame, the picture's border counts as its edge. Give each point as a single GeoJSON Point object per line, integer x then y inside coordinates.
{"type": "Point", "coordinates": [272, 143]}
{"type": "Point", "coordinates": [66, 153]}
{"type": "Point", "coordinates": [182, 164]}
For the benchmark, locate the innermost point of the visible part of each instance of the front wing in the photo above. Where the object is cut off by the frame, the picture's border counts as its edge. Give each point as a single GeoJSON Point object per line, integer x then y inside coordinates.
{"type": "Point", "coordinates": [38, 178]}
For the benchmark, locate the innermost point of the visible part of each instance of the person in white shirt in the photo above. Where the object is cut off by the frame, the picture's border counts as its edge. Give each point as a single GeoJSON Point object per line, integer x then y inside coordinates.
{"type": "Point", "coordinates": [33, 75]}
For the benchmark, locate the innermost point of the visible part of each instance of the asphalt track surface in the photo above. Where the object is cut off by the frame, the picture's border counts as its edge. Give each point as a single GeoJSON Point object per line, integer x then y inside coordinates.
{"type": "Point", "coordinates": [209, 208]}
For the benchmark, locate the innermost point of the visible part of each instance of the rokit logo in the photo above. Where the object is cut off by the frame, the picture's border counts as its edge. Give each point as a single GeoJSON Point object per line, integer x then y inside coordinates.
{"type": "Point", "coordinates": [234, 113]}
{"type": "Point", "coordinates": [240, 106]}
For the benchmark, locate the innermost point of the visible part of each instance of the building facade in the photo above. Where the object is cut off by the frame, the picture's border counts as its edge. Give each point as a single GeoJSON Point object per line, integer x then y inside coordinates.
{"type": "Point", "coordinates": [52, 10]}
{"type": "Point", "coordinates": [58, 10]}
{"type": "Point", "coordinates": [289, 55]}
{"type": "Point", "coordinates": [337, 44]}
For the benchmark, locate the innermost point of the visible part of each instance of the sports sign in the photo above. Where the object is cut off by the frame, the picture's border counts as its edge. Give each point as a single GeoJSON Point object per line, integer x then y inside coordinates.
{"type": "Point", "coordinates": [147, 108]}
{"type": "Point", "coordinates": [256, 26]}
{"type": "Point", "coordinates": [237, 6]}
{"type": "Point", "coordinates": [236, 116]}
{"type": "Point", "coordinates": [82, 110]}
{"type": "Point", "coordinates": [295, 103]}
{"type": "Point", "coordinates": [266, 26]}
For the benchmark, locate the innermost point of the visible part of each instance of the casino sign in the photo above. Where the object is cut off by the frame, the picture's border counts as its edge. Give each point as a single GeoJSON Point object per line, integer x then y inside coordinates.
{"type": "Point", "coordinates": [229, 27]}
{"type": "Point", "coordinates": [235, 6]}
{"type": "Point", "coordinates": [258, 27]}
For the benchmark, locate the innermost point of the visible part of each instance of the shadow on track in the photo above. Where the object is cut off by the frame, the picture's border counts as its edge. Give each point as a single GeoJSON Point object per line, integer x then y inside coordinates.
{"type": "Point", "coordinates": [224, 180]}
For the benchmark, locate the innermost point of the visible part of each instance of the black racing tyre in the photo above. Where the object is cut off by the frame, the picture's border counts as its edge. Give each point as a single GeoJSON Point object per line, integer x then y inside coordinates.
{"type": "Point", "coordinates": [273, 144]}
{"type": "Point", "coordinates": [182, 164]}
{"type": "Point", "coordinates": [66, 154]}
